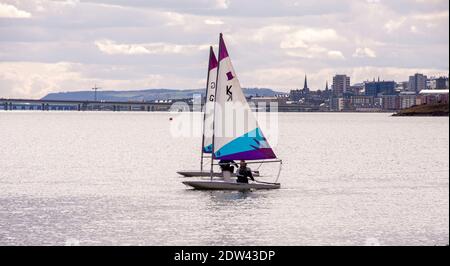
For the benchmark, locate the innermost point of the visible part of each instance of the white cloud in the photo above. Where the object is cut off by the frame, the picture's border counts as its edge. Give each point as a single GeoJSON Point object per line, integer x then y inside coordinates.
{"type": "Point", "coordinates": [316, 52]}
{"type": "Point", "coordinates": [335, 54]}
{"type": "Point", "coordinates": [394, 24]}
{"type": "Point", "coordinates": [364, 52]}
{"type": "Point", "coordinates": [303, 37]}
{"type": "Point", "coordinates": [175, 19]}
{"type": "Point", "coordinates": [443, 15]}
{"type": "Point", "coordinates": [287, 38]}
{"type": "Point", "coordinates": [112, 48]}
{"type": "Point", "coordinates": [10, 11]}
{"type": "Point", "coordinates": [294, 41]}
{"type": "Point", "coordinates": [267, 33]}
{"type": "Point", "coordinates": [35, 80]}
{"type": "Point", "coordinates": [213, 22]}
{"type": "Point", "coordinates": [222, 4]}
{"type": "Point", "coordinates": [310, 42]}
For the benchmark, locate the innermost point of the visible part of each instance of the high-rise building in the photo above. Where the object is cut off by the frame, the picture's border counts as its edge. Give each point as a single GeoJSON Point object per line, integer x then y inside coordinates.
{"type": "Point", "coordinates": [441, 83]}
{"type": "Point", "coordinates": [417, 83]}
{"type": "Point", "coordinates": [377, 88]}
{"type": "Point", "coordinates": [340, 84]}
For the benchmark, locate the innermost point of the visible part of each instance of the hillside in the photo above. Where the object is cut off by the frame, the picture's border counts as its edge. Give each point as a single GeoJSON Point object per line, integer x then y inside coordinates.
{"type": "Point", "coordinates": [440, 109]}
{"type": "Point", "coordinates": [144, 95]}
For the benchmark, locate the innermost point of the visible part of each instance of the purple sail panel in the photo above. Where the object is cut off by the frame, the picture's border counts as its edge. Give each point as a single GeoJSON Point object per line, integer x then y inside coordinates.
{"type": "Point", "coordinates": [259, 154]}
{"type": "Point", "coordinates": [230, 75]}
{"type": "Point", "coordinates": [212, 59]}
{"type": "Point", "coordinates": [223, 53]}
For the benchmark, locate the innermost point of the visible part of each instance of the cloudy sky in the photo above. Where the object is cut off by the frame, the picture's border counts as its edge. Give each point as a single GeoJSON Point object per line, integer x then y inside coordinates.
{"type": "Point", "coordinates": [66, 45]}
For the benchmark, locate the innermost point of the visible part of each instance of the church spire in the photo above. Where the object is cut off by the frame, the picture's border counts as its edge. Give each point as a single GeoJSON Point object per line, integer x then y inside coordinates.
{"type": "Point", "coordinates": [305, 86]}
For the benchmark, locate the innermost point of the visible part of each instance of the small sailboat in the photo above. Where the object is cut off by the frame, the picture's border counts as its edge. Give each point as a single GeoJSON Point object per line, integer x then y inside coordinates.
{"type": "Point", "coordinates": [208, 117]}
{"type": "Point", "coordinates": [236, 134]}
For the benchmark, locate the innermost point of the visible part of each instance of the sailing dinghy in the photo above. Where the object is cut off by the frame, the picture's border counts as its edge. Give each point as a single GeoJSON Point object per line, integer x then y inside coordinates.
{"type": "Point", "coordinates": [208, 122]}
{"type": "Point", "coordinates": [236, 134]}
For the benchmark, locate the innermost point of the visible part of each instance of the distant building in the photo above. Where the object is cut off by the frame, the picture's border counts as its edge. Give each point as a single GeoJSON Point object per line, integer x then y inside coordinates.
{"type": "Point", "coordinates": [340, 84]}
{"type": "Point", "coordinates": [362, 101]}
{"type": "Point", "coordinates": [378, 102]}
{"type": "Point", "coordinates": [264, 103]}
{"type": "Point", "coordinates": [326, 93]}
{"type": "Point", "coordinates": [401, 86]}
{"type": "Point", "coordinates": [282, 96]}
{"type": "Point", "coordinates": [431, 83]}
{"type": "Point", "coordinates": [266, 99]}
{"type": "Point", "coordinates": [356, 89]}
{"type": "Point", "coordinates": [337, 104]}
{"type": "Point", "coordinates": [407, 99]}
{"type": "Point", "coordinates": [432, 96]}
{"type": "Point", "coordinates": [295, 95]}
{"type": "Point", "coordinates": [390, 102]}
{"type": "Point", "coordinates": [417, 83]}
{"type": "Point", "coordinates": [378, 88]}
{"type": "Point", "coordinates": [441, 83]}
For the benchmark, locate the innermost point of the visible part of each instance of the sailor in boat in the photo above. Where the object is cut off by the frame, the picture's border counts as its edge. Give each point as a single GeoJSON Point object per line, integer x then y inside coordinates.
{"type": "Point", "coordinates": [244, 173]}
{"type": "Point", "coordinates": [227, 167]}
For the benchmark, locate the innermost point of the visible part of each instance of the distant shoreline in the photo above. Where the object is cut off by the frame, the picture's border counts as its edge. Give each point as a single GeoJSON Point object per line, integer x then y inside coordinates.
{"type": "Point", "coordinates": [439, 109]}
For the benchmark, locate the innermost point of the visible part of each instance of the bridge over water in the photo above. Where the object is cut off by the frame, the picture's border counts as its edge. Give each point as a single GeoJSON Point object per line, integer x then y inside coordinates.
{"type": "Point", "coordinates": [68, 105]}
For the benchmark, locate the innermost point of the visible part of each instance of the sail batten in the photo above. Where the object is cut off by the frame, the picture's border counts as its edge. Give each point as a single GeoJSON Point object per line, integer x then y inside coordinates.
{"type": "Point", "coordinates": [237, 135]}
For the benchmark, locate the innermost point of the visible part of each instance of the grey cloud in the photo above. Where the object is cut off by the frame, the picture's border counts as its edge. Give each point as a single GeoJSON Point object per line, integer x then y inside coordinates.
{"type": "Point", "coordinates": [64, 35]}
{"type": "Point", "coordinates": [254, 8]}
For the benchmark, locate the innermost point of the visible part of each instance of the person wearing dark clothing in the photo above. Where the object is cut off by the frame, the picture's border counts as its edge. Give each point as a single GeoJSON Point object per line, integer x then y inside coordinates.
{"type": "Point", "coordinates": [244, 173]}
{"type": "Point", "coordinates": [227, 165]}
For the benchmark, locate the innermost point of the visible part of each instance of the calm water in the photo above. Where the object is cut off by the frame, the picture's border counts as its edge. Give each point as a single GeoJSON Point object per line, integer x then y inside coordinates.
{"type": "Point", "coordinates": [106, 178]}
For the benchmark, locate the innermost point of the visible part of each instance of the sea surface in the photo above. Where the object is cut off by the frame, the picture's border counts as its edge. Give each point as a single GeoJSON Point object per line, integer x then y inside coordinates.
{"type": "Point", "coordinates": [105, 178]}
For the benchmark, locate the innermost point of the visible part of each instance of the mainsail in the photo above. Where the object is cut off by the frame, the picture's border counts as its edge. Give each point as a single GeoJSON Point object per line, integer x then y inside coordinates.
{"type": "Point", "coordinates": [237, 135]}
{"type": "Point", "coordinates": [209, 103]}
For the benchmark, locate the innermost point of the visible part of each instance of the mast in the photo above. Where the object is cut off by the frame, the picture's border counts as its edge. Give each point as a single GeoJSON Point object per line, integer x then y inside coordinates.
{"type": "Point", "coordinates": [214, 112]}
{"type": "Point", "coordinates": [204, 112]}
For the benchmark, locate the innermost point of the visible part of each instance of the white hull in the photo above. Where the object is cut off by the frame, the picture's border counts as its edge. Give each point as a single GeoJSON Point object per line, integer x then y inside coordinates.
{"type": "Point", "coordinates": [229, 185]}
{"type": "Point", "coordinates": [189, 173]}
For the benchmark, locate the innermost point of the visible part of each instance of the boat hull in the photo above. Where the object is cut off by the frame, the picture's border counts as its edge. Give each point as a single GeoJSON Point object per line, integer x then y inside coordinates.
{"type": "Point", "coordinates": [229, 185]}
{"type": "Point", "coordinates": [192, 173]}
{"type": "Point", "coordinates": [197, 173]}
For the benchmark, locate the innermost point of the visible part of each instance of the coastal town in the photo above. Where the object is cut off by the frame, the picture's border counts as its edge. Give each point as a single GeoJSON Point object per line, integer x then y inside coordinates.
{"type": "Point", "coordinates": [338, 96]}
{"type": "Point", "coordinates": [369, 96]}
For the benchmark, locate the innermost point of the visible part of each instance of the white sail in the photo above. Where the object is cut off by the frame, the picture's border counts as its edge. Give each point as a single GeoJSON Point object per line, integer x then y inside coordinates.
{"type": "Point", "coordinates": [237, 135]}
{"type": "Point", "coordinates": [209, 104]}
